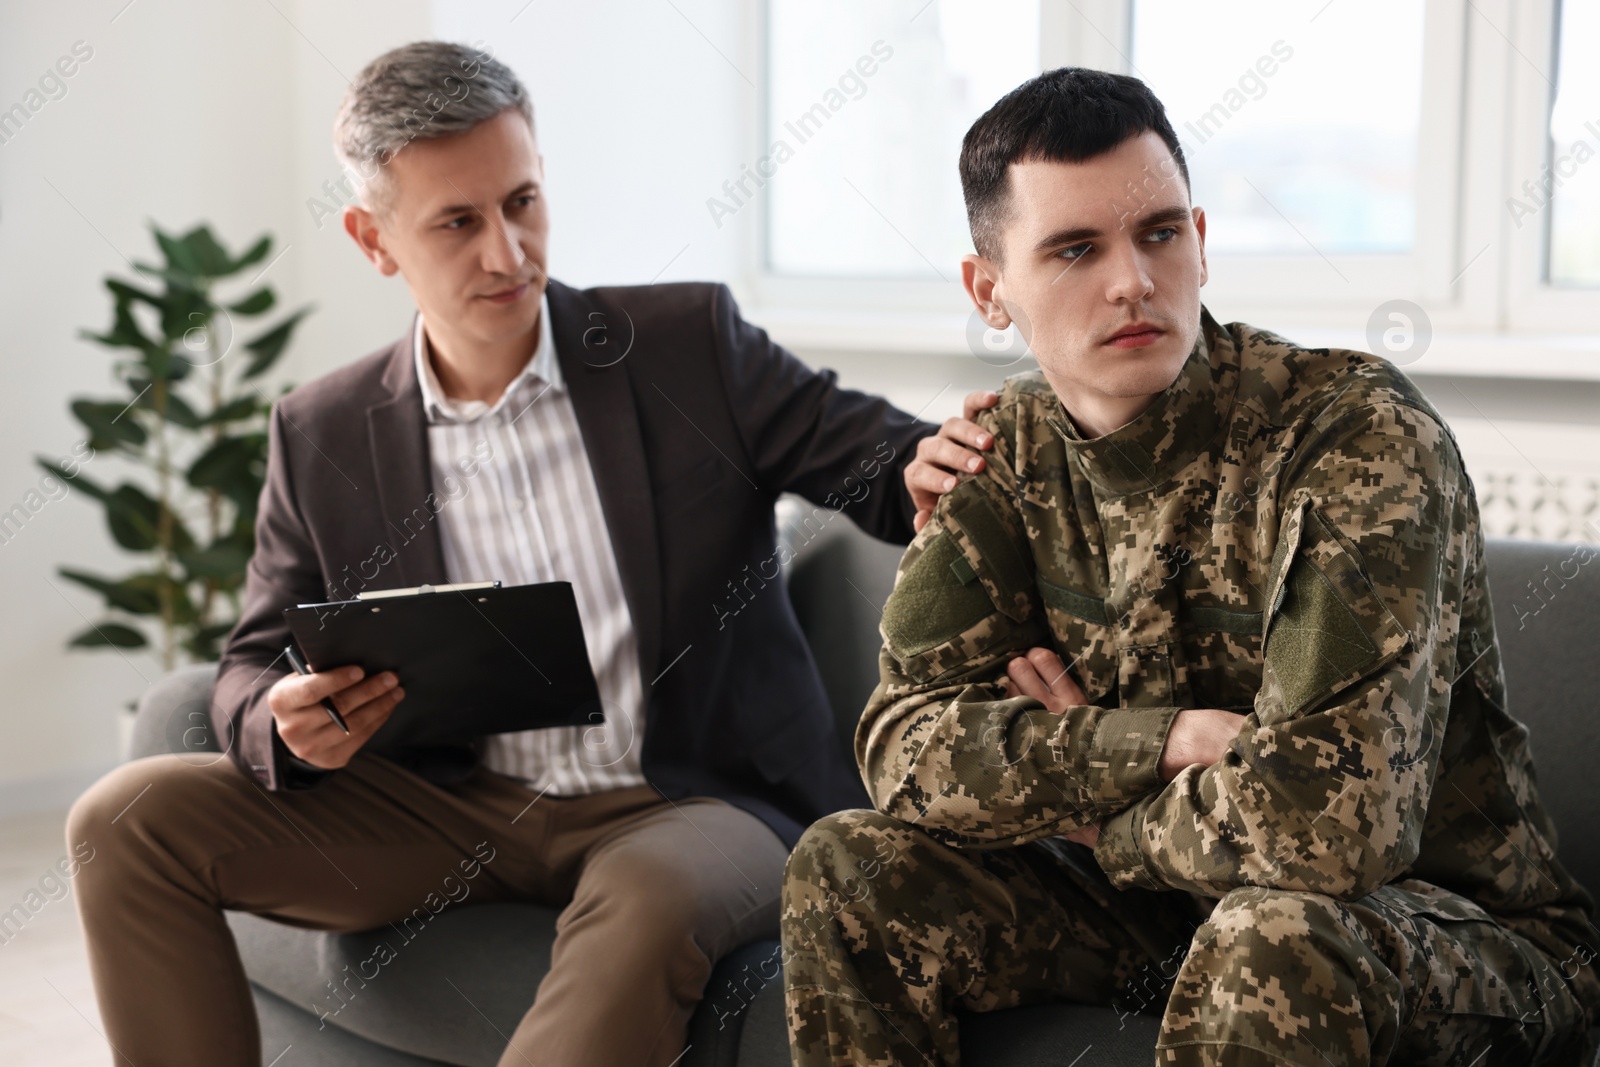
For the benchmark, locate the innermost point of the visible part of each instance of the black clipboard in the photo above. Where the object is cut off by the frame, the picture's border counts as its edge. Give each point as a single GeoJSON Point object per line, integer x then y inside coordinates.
{"type": "Point", "coordinates": [475, 659]}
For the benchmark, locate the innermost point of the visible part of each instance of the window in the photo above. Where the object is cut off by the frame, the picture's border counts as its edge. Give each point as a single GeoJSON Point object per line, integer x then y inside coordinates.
{"type": "Point", "coordinates": [1291, 151]}
{"type": "Point", "coordinates": [866, 105]}
{"type": "Point", "coordinates": [1572, 182]}
{"type": "Point", "coordinates": [1348, 153]}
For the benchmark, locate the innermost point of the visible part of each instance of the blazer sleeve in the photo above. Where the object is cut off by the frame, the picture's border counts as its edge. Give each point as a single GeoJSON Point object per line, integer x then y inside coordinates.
{"type": "Point", "coordinates": [805, 434]}
{"type": "Point", "coordinates": [283, 571]}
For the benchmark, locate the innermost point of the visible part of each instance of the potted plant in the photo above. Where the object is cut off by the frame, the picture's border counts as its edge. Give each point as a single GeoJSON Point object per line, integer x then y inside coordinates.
{"type": "Point", "coordinates": [192, 421]}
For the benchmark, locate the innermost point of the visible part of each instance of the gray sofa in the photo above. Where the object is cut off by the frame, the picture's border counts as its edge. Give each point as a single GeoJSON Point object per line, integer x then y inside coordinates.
{"type": "Point", "coordinates": [496, 953]}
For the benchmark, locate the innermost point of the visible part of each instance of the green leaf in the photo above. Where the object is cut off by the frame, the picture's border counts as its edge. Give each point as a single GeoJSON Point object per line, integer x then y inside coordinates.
{"type": "Point", "coordinates": [76, 481]}
{"type": "Point", "coordinates": [205, 251]}
{"type": "Point", "coordinates": [223, 464]}
{"type": "Point", "coordinates": [125, 331]}
{"type": "Point", "coordinates": [160, 362]}
{"type": "Point", "coordinates": [256, 253]}
{"type": "Point", "coordinates": [134, 518]}
{"type": "Point", "coordinates": [186, 310]}
{"type": "Point", "coordinates": [269, 346]}
{"type": "Point", "coordinates": [242, 407]}
{"type": "Point", "coordinates": [175, 279]}
{"type": "Point", "coordinates": [180, 257]}
{"type": "Point", "coordinates": [205, 642]}
{"type": "Point", "coordinates": [109, 423]}
{"type": "Point", "coordinates": [219, 560]}
{"type": "Point", "coordinates": [131, 514]}
{"type": "Point", "coordinates": [109, 634]}
{"type": "Point", "coordinates": [128, 595]}
{"type": "Point", "coordinates": [178, 412]}
{"type": "Point", "coordinates": [256, 303]}
{"type": "Point", "coordinates": [153, 583]}
{"type": "Point", "coordinates": [130, 293]}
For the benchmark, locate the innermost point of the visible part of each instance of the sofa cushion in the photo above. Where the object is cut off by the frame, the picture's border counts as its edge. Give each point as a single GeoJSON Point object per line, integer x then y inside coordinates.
{"type": "Point", "coordinates": [291, 1037]}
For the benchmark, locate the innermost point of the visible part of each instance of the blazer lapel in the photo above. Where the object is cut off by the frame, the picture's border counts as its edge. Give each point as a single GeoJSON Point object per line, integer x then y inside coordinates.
{"type": "Point", "coordinates": [403, 472]}
{"type": "Point", "coordinates": [603, 401]}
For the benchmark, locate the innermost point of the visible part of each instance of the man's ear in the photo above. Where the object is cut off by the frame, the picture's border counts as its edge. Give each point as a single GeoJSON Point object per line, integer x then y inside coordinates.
{"type": "Point", "coordinates": [981, 278]}
{"type": "Point", "coordinates": [362, 226]}
{"type": "Point", "coordinates": [1200, 232]}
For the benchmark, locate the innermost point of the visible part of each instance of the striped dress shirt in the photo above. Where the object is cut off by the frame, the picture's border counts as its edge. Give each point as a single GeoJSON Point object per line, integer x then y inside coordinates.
{"type": "Point", "coordinates": [521, 505]}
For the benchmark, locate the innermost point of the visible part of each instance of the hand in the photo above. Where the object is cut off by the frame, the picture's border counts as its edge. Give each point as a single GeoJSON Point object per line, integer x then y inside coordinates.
{"type": "Point", "coordinates": [953, 450]}
{"type": "Point", "coordinates": [1041, 675]}
{"type": "Point", "coordinates": [303, 722]}
{"type": "Point", "coordinates": [1198, 736]}
{"type": "Point", "coordinates": [1085, 835]}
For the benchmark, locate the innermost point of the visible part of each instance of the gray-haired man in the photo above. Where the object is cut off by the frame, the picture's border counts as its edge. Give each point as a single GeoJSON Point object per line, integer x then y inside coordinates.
{"type": "Point", "coordinates": [631, 441]}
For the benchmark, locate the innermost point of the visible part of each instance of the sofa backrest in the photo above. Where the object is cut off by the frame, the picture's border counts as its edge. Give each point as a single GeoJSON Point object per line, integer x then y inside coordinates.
{"type": "Point", "coordinates": [1547, 618]}
{"type": "Point", "coordinates": [1547, 613]}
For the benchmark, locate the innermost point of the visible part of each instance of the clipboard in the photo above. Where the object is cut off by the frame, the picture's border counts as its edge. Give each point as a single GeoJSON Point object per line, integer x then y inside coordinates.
{"type": "Point", "coordinates": [474, 658]}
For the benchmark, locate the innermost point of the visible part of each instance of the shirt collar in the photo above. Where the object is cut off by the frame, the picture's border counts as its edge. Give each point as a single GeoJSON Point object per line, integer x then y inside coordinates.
{"type": "Point", "coordinates": [542, 369]}
{"type": "Point", "coordinates": [1168, 435]}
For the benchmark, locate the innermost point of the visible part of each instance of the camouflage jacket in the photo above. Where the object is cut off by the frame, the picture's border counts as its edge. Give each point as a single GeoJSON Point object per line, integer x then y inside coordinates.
{"type": "Point", "coordinates": [1285, 532]}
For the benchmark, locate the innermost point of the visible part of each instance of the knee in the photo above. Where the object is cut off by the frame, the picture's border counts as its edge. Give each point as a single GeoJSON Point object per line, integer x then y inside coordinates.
{"type": "Point", "coordinates": [648, 894]}
{"type": "Point", "coordinates": [1271, 931]}
{"type": "Point", "coordinates": [843, 844]}
{"type": "Point", "coordinates": [837, 867]}
{"type": "Point", "coordinates": [116, 816]}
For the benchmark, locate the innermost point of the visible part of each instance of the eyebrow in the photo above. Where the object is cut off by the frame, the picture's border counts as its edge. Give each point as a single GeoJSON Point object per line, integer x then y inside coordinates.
{"type": "Point", "coordinates": [458, 209]}
{"type": "Point", "coordinates": [1160, 217]}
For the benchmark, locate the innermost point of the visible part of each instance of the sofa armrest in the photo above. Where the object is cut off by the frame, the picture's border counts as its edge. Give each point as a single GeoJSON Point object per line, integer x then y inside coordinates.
{"type": "Point", "coordinates": [174, 715]}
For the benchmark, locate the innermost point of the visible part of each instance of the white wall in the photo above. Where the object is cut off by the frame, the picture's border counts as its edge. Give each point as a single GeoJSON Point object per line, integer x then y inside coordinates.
{"type": "Point", "coordinates": [185, 112]}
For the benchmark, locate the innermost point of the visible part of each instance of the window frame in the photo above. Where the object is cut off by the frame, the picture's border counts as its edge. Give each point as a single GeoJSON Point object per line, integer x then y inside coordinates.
{"type": "Point", "coordinates": [1534, 304]}
{"type": "Point", "coordinates": [1475, 276]}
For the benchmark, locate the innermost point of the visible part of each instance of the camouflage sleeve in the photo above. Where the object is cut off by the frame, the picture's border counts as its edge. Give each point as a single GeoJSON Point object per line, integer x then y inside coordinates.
{"type": "Point", "coordinates": [939, 744]}
{"type": "Point", "coordinates": [1326, 787]}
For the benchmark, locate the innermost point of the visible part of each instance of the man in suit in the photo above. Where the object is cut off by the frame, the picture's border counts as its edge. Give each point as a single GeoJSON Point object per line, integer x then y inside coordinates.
{"type": "Point", "coordinates": [631, 441]}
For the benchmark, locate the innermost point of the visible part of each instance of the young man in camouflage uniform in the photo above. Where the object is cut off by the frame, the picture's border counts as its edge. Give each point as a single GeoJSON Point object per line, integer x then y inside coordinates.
{"type": "Point", "coordinates": [1280, 726]}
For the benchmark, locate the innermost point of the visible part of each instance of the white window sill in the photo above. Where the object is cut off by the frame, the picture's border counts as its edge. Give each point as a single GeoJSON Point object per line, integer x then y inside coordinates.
{"type": "Point", "coordinates": [1464, 354]}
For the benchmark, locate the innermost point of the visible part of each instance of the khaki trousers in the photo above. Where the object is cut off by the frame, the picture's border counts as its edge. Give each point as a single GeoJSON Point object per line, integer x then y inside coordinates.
{"type": "Point", "coordinates": [653, 891]}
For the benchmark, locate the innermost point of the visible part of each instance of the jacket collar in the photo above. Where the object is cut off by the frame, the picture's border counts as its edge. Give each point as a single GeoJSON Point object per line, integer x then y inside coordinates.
{"type": "Point", "coordinates": [1171, 433]}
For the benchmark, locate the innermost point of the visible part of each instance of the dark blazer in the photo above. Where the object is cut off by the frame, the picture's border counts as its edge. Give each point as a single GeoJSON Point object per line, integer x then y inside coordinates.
{"type": "Point", "coordinates": [694, 422]}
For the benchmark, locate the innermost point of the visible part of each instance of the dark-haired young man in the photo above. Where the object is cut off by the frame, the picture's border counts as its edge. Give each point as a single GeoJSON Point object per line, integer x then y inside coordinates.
{"type": "Point", "coordinates": [1201, 668]}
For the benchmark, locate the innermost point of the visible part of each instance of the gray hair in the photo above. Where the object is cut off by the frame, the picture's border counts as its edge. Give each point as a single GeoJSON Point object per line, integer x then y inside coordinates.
{"type": "Point", "coordinates": [420, 91]}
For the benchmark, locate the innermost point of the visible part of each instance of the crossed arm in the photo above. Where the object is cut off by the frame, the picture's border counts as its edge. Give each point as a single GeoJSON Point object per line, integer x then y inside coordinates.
{"type": "Point", "coordinates": [980, 738]}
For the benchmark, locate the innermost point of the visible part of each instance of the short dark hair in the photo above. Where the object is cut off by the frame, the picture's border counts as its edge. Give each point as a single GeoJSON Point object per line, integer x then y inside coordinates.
{"type": "Point", "coordinates": [1069, 115]}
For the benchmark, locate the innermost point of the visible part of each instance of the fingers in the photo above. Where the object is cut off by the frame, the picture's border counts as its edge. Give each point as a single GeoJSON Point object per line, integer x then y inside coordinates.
{"type": "Point", "coordinates": [947, 455]}
{"type": "Point", "coordinates": [309, 732]}
{"type": "Point", "coordinates": [365, 720]}
{"type": "Point", "coordinates": [303, 689]}
{"type": "Point", "coordinates": [1055, 675]}
{"type": "Point", "coordinates": [348, 700]}
{"type": "Point", "coordinates": [963, 432]}
{"type": "Point", "coordinates": [928, 481]}
{"type": "Point", "coordinates": [976, 402]}
{"type": "Point", "coordinates": [1025, 681]}
{"type": "Point", "coordinates": [1041, 674]}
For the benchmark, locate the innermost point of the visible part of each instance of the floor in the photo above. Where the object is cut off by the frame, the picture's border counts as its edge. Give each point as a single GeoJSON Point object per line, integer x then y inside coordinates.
{"type": "Point", "coordinates": [47, 1008]}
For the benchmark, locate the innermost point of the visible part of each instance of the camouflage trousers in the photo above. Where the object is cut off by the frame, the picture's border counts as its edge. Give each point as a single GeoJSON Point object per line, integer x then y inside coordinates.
{"type": "Point", "coordinates": [887, 933]}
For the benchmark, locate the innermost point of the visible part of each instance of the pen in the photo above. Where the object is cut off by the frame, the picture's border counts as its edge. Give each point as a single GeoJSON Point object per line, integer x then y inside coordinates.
{"type": "Point", "coordinates": [300, 667]}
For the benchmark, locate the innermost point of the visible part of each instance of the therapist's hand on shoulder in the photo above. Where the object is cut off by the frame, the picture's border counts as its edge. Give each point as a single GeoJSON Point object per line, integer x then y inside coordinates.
{"type": "Point", "coordinates": [307, 729]}
{"type": "Point", "coordinates": [953, 450]}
